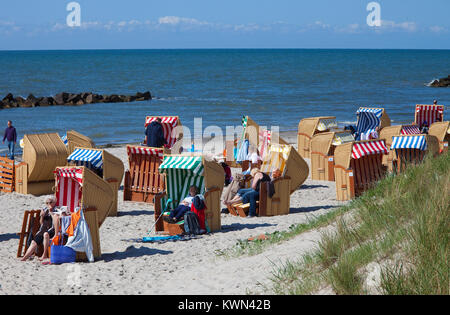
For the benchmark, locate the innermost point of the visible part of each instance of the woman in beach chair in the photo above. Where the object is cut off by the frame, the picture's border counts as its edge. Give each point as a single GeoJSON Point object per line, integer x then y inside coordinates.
{"type": "Point", "coordinates": [185, 205]}
{"type": "Point", "coordinates": [251, 195]}
{"type": "Point", "coordinates": [48, 219]}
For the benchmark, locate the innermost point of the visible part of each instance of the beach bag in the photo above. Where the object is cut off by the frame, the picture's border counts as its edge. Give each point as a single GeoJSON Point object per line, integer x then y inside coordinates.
{"type": "Point", "coordinates": [60, 254]}
{"type": "Point", "coordinates": [191, 224]}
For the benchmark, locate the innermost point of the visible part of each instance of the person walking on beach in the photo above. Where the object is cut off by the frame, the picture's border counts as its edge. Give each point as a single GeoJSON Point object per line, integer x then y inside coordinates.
{"type": "Point", "coordinates": [11, 136]}
{"type": "Point", "coordinates": [154, 134]}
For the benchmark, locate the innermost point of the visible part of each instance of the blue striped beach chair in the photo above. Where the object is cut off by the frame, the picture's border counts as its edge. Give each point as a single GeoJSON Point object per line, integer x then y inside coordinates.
{"type": "Point", "coordinates": [369, 119]}
{"type": "Point", "coordinates": [411, 150]}
{"type": "Point", "coordinates": [102, 163]}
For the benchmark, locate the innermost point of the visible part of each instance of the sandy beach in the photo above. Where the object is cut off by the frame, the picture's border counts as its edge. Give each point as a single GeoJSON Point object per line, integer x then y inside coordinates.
{"type": "Point", "coordinates": [129, 266]}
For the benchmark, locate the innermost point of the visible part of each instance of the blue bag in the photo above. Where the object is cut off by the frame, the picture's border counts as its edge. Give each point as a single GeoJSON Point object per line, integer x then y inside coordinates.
{"type": "Point", "coordinates": [62, 254]}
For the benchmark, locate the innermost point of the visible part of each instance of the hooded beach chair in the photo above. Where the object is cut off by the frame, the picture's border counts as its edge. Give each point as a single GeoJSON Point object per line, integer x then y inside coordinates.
{"type": "Point", "coordinates": [397, 130]}
{"type": "Point", "coordinates": [75, 187]}
{"type": "Point", "coordinates": [42, 153]}
{"type": "Point", "coordinates": [322, 153]}
{"type": "Point", "coordinates": [369, 119]}
{"type": "Point", "coordinates": [294, 171]}
{"type": "Point", "coordinates": [411, 150]}
{"type": "Point", "coordinates": [102, 163]}
{"type": "Point", "coordinates": [7, 175]}
{"type": "Point", "coordinates": [429, 114]}
{"type": "Point", "coordinates": [358, 166]}
{"type": "Point", "coordinates": [181, 172]}
{"type": "Point", "coordinates": [441, 130]}
{"type": "Point", "coordinates": [254, 135]}
{"type": "Point", "coordinates": [143, 179]}
{"type": "Point", "coordinates": [308, 127]}
{"type": "Point", "coordinates": [173, 132]}
{"type": "Point", "coordinates": [74, 139]}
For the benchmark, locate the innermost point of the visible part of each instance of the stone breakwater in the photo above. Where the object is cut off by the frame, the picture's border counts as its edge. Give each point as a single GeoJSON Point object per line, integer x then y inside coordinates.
{"type": "Point", "coordinates": [9, 101]}
{"type": "Point", "coordinates": [444, 82]}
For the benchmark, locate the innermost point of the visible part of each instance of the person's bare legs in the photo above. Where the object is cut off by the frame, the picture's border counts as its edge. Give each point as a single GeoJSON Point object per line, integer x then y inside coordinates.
{"type": "Point", "coordinates": [30, 251]}
{"type": "Point", "coordinates": [236, 199]}
{"type": "Point", "coordinates": [45, 244]}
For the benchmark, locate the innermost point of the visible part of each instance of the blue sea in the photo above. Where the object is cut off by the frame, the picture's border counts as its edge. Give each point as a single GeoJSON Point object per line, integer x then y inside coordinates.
{"type": "Point", "coordinates": [273, 87]}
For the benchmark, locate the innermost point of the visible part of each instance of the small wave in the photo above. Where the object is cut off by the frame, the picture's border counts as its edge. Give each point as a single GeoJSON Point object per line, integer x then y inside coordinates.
{"type": "Point", "coordinates": [432, 81]}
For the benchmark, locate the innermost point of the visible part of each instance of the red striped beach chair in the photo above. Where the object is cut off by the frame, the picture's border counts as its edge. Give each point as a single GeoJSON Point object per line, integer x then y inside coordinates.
{"type": "Point", "coordinates": [429, 114]}
{"type": "Point", "coordinates": [358, 166]}
{"type": "Point", "coordinates": [75, 187]}
{"type": "Point", "coordinates": [143, 181]}
{"type": "Point", "coordinates": [173, 132]}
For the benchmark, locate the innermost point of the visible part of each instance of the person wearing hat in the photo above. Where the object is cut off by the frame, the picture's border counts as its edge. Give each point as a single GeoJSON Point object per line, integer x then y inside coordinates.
{"type": "Point", "coordinates": [251, 195]}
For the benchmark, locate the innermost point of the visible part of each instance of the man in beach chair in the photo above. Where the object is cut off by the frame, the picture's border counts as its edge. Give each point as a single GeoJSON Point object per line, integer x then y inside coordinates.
{"type": "Point", "coordinates": [154, 134]}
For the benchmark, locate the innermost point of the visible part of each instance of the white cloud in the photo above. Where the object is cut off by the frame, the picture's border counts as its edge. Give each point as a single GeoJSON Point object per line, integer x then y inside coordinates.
{"type": "Point", "coordinates": [438, 29]}
{"type": "Point", "coordinates": [404, 26]}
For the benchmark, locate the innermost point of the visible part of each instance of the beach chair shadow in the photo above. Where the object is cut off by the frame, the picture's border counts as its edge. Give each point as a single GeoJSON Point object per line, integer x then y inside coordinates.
{"type": "Point", "coordinates": [133, 252]}
{"type": "Point", "coordinates": [310, 209]}
{"type": "Point", "coordinates": [242, 226]}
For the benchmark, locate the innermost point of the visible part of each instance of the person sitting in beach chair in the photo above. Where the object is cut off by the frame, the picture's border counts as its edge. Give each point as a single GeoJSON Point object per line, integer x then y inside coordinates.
{"type": "Point", "coordinates": [251, 195]}
{"type": "Point", "coordinates": [185, 205]}
{"type": "Point", "coordinates": [48, 222]}
{"type": "Point", "coordinates": [154, 134]}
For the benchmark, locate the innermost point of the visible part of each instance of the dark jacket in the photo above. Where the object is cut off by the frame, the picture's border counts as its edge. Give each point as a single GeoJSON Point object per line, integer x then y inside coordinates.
{"type": "Point", "coordinates": [155, 135]}
{"type": "Point", "coordinates": [10, 134]}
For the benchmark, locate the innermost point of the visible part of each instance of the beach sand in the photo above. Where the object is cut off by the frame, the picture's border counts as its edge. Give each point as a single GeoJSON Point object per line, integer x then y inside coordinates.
{"type": "Point", "coordinates": [129, 266]}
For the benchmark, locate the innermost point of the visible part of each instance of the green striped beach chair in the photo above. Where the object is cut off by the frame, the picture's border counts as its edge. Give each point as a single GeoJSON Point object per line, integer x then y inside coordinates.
{"type": "Point", "coordinates": [183, 171]}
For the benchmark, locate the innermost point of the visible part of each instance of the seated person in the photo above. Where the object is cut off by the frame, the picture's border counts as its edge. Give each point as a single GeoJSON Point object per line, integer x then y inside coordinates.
{"type": "Point", "coordinates": [48, 221]}
{"type": "Point", "coordinates": [424, 128]}
{"type": "Point", "coordinates": [250, 195]}
{"type": "Point", "coordinates": [185, 205]}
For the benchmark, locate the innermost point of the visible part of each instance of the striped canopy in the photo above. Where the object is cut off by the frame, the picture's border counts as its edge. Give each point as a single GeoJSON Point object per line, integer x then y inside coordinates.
{"type": "Point", "coordinates": [340, 138]}
{"type": "Point", "coordinates": [169, 123]}
{"type": "Point", "coordinates": [368, 120]}
{"type": "Point", "coordinates": [87, 157]}
{"type": "Point", "coordinates": [159, 152]}
{"type": "Point", "coordinates": [410, 130]}
{"type": "Point", "coordinates": [276, 158]}
{"type": "Point", "coordinates": [361, 149]}
{"type": "Point", "coordinates": [181, 173]}
{"type": "Point", "coordinates": [64, 139]}
{"type": "Point", "coordinates": [429, 114]}
{"type": "Point", "coordinates": [68, 187]}
{"type": "Point", "coordinates": [326, 124]}
{"type": "Point", "coordinates": [265, 137]}
{"type": "Point", "coordinates": [409, 142]}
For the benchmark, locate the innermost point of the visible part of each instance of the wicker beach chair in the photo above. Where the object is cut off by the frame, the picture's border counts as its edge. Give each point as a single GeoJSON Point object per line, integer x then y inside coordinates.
{"type": "Point", "coordinates": [411, 150]}
{"type": "Point", "coordinates": [7, 175]}
{"type": "Point", "coordinates": [41, 154]}
{"type": "Point", "coordinates": [397, 130]}
{"type": "Point", "coordinates": [173, 132]}
{"type": "Point", "coordinates": [74, 139]}
{"type": "Point", "coordinates": [182, 171]}
{"type": "Point", "coordinates": [322, 153]}
{"type": "Point", "coordinates": [75, 187]}
{"type": "Point", "coordinates": [358, 166]}
{"type": "Point", "coordinates": [441, 130]}
{"type": "Point", "coordinates": [104, 164]}
{"type": "Point", "coordinates": [143, 181]}
{"type": "Point", "coordinates": [429, 114]}
{"type": "Point", "coordinates": [308, 127]}
{"type": "Point", "coordinates": [369, 119]}
{"type": "Point", "coordinates": [294, 171]}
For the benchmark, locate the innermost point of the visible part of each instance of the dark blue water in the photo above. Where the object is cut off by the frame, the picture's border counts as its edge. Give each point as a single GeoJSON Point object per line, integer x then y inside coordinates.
{"type": "Point", "coordinates": [274, 87]}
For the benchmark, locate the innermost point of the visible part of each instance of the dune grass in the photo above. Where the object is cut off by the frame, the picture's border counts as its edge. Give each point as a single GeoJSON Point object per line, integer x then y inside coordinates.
{"type": "Point", "coordinates": [402, 225]}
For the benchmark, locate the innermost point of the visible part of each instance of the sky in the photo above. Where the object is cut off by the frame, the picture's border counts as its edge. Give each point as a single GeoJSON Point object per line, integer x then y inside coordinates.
{"type": "Point", "coordinates": [167, 24]}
